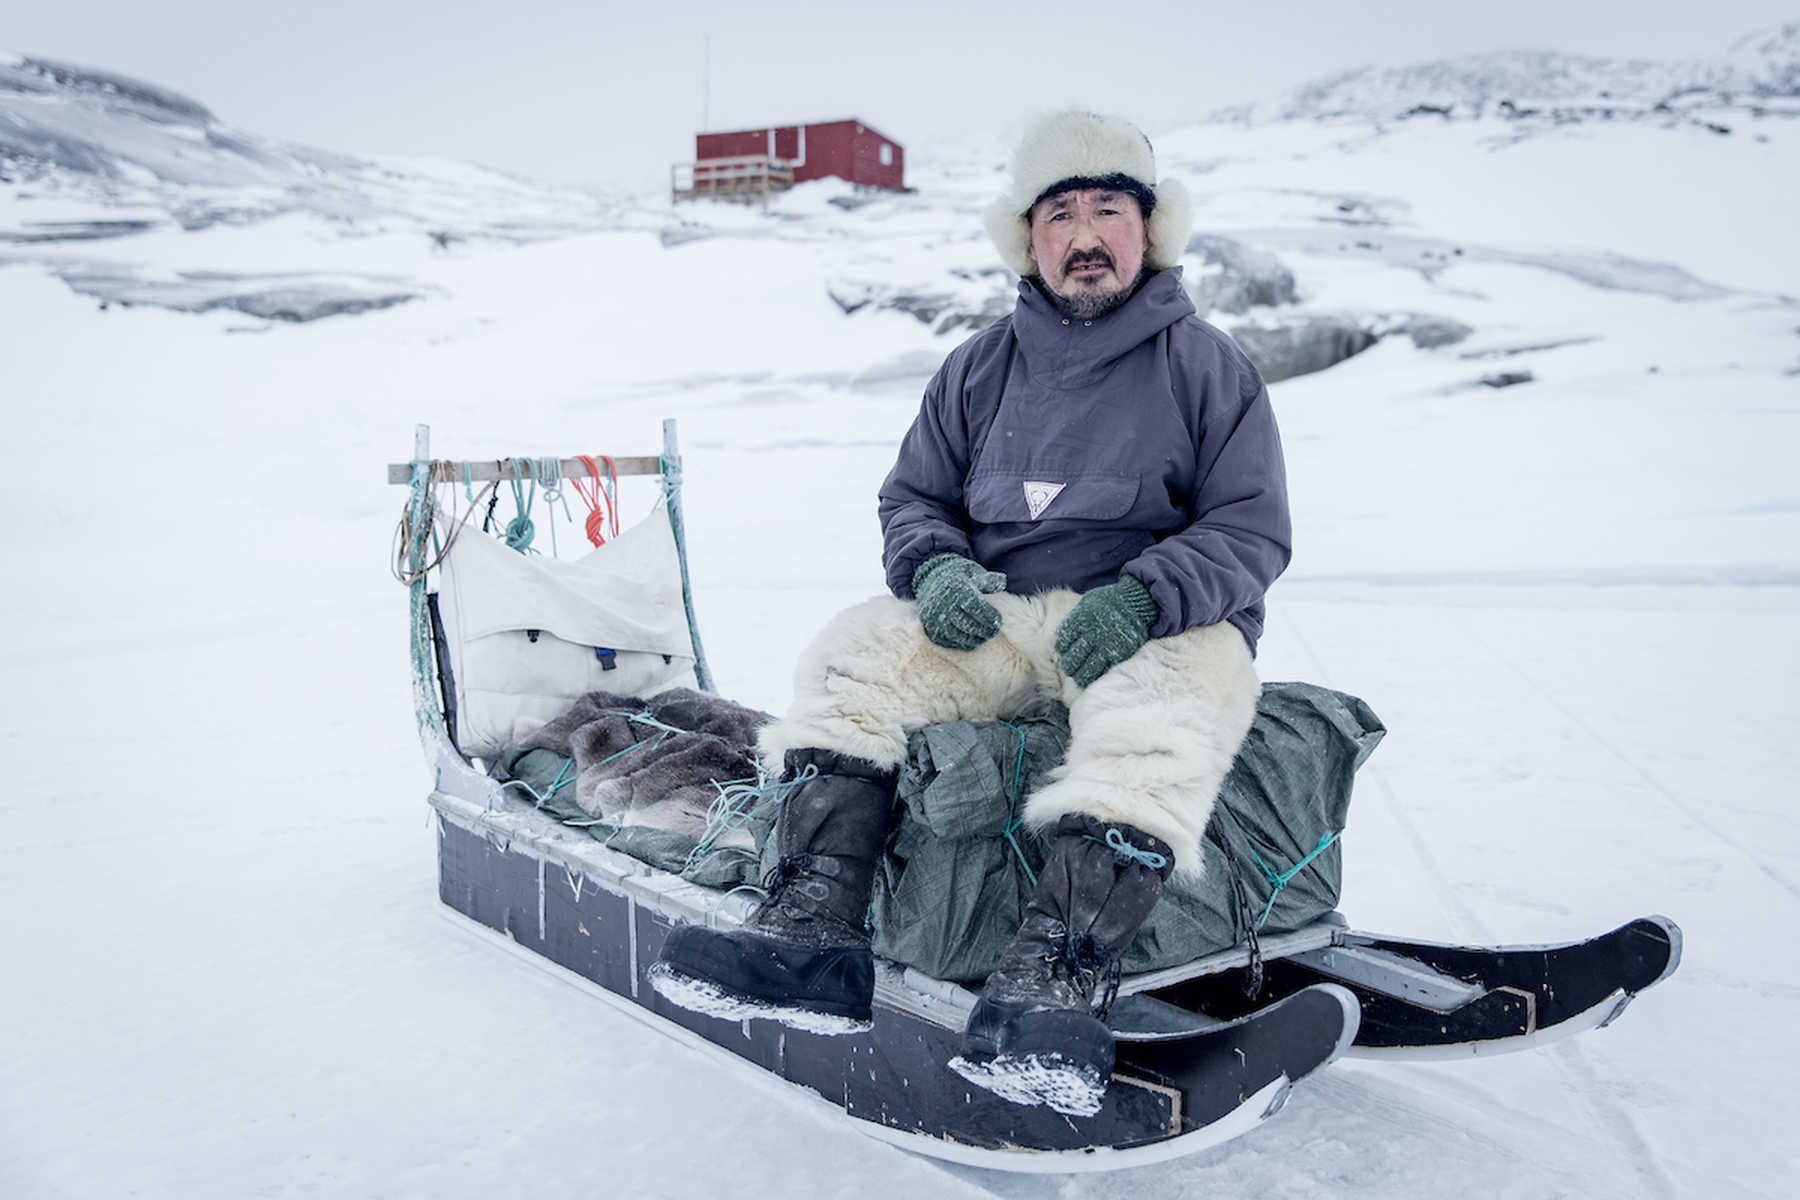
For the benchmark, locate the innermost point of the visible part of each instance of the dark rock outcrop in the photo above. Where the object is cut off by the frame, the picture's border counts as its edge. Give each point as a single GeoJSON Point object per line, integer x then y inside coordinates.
{"type": "Point", "coordinates": [1244, 277]}
{"type": "Point", "coordinates": [1302, 345]}
{"type": "Point", "coordinates": [284, 297]}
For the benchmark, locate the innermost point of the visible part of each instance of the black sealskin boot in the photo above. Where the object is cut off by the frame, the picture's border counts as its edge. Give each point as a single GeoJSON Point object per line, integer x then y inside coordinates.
{"type": "Point", "coordinates": [802, 958]}
{"type": "Point", "coordinates": [1034, 1037]}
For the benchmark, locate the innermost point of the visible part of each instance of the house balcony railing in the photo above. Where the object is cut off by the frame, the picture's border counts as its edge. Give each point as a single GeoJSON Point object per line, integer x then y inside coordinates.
{"type": "Point", "coordinates": [747, 179]}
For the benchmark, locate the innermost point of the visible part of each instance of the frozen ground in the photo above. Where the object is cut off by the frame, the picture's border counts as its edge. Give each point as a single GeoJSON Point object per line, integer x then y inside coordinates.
{"type": "Point", "coordinates": [1574, 602]}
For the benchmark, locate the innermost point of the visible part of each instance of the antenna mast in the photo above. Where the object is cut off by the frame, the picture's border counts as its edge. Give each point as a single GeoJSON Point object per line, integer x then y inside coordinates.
{"type": "Point", "coordinates": [706, 84]}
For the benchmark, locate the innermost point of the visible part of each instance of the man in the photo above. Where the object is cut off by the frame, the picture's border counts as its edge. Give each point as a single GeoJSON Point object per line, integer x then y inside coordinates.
{"type": "Point", "coordinates": [1089, 506]}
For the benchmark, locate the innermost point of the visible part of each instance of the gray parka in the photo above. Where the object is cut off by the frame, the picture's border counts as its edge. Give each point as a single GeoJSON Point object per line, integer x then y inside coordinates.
{"type": "Point", "coordinates": [1148, 431]}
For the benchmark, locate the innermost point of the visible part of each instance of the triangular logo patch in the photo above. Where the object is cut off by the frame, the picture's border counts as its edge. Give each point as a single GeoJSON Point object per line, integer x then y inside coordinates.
{"type": "Point", "coordinates": [1039, 494]}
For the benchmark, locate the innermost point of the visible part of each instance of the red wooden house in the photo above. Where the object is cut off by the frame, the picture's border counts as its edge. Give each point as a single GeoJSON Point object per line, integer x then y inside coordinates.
{"type": "Point", "coordinates": [748, 163]}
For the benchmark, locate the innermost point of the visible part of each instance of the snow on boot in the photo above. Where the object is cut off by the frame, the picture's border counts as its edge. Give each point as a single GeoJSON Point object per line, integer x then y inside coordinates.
{"type": "Point", "coordinates": [802, 958]}
{"type": "Point", "coordinates": [1035, 1035]}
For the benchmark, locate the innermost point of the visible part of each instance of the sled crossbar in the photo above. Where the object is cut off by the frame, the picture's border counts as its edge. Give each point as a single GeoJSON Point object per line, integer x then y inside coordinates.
{"type": "Point", "coordinates": [489, 470]}
{"type": "Point", "coordinates": [1392, 975]}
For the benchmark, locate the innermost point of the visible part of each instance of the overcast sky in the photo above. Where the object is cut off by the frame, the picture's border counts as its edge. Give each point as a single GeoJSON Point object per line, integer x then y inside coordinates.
{"type": "Point", "coordinates": [602, 92]}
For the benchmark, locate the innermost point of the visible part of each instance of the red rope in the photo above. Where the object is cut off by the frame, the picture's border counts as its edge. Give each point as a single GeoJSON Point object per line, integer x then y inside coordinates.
{"type": "Point", "coordinates": [601, 502]}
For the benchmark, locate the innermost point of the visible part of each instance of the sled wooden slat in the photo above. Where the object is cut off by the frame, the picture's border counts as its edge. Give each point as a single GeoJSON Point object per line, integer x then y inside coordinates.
{"type": "Point", "coordinates": [488, 470]}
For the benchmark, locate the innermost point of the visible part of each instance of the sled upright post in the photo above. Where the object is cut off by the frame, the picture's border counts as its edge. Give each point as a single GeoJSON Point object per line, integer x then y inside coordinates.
{"type": "Point", "coordinates": [671, 481]}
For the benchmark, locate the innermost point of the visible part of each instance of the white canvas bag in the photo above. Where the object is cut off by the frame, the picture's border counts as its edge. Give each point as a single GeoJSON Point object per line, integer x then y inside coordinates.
{"type": "Point", "coordinates": [528, 634]}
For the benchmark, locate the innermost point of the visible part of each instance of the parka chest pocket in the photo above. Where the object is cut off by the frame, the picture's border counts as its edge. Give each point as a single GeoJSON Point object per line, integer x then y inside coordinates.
{"type": "Point", "coordinates": [1000, 497]}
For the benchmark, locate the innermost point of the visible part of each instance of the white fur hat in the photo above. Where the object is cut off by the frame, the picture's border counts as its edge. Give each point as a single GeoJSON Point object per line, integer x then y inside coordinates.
{"type": "Point", "coordinates": [1084, 145]}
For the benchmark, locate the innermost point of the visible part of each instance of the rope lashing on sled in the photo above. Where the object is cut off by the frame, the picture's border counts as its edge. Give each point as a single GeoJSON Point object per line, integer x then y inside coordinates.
{"type": "Point", "coordinates": [729, 811]}
{"type": "Point", "coordinates": [738, 800]}
{"type": "Point", "coordinates": [1236, 844]}
{"type": "Point", "coordinates": [625, 751]}
{"type": "Point", "coordinates": [538, 799]}
{"type": "Point", "coordinates": [665, 732]}
{"type": "Point", "coordinates": [1014, 819]}
{"type": "Point", "coordinates": [1279, 879]}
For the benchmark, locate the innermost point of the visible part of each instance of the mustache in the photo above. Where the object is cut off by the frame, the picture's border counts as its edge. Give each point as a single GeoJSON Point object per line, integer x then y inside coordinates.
{"type": "Point", "coordinates": [1086, 256]}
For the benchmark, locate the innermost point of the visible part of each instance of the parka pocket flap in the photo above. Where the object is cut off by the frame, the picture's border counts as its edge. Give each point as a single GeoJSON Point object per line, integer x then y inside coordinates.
{"type": "Point", "coordinates": [1002, 497]}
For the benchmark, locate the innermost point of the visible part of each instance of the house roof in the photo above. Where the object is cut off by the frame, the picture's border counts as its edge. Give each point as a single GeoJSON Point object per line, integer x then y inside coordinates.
{"type": "Point", "coordinates": [796, 125]}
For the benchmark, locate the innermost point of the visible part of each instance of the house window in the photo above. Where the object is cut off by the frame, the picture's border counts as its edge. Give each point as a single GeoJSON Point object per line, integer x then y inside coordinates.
{"type": "Point", "coordinates": [887, 155]}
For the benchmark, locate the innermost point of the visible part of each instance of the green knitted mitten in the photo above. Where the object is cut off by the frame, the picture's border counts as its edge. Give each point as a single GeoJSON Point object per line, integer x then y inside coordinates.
{"type": "Point", "coordinates": [1105, 628]}
{"type": "Point", "coordinates": [949, 590]}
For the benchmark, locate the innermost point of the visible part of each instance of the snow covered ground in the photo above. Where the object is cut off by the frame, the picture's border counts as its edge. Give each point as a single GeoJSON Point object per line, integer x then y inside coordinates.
{"type": "Point", "coordinates": [1574, 601]}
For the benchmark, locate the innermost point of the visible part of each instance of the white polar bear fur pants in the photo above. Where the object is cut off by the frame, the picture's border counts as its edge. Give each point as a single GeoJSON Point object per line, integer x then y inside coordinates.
{"type": "Point", "coordinates": [1151, 739]}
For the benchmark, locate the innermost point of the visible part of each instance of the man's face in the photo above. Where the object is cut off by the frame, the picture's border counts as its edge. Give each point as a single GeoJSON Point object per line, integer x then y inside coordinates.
{"type": "Point", "coordinates": [1089, 246]}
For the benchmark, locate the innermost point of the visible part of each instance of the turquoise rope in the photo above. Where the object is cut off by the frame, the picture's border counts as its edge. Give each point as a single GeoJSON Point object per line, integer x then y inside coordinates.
{"type": "Point", "coordinates": [563, 779]}
{"type": "Point", "coordinates": [519, 530]}
{"type": "Point", "coordinates": [419, 511]}
{"type": "Point", "coordinates": [643, 718]}
{"type": "Point", "coordinates": [621, 753]}
{"type": "Point", "coordinates": [712, 916]}
{"type": "Point", "coordinates": [549, 473]}
{"type": "Point", "coordinates": [1014, 819]}
{"type": "Point", "coordinates": [1279, 879]}
{"type": "Point", "coordinates": [737, 802]}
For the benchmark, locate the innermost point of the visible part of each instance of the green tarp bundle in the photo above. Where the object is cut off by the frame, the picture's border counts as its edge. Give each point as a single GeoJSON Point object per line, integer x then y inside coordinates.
{"type": "Point", "coordinates": [953, 887]}
{"type": "Point", "coordinates": [958, 867]}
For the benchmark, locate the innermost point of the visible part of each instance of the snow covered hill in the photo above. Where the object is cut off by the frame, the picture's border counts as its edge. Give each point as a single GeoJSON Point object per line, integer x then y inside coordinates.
{"type": "Point", "coordinates": [1767, 62]}
{"type": "Point", "coordinates": [1547, 523]}
{"type": "Point", "coordinates": [1758, 69]}
{"type": "Point", "coordinates": [92, 161]}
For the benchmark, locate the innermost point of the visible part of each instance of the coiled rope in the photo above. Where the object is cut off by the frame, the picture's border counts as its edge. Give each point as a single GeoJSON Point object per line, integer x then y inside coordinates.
{"type": "Point", "coordinates": [600, 498]}
{"type": "Point", "coordinates": [519, 530]}
{"type": "Point", "coordinates": [549, 473]}
{"type": "Point", "coordinates": [738, 800]}
{"type": "Point", "coordinates": [418, 526]}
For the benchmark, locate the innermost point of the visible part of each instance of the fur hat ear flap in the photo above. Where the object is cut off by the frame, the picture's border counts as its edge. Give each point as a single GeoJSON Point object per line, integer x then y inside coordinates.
{"type": "Point", "coordinates": [1012, 236]}
{"type": "Point", "coordinates": [1171, 221]}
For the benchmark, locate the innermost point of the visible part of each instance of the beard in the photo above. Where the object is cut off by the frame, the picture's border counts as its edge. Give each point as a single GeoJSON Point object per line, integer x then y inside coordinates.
{"type": "Point", "coordinates": [1086, 308]}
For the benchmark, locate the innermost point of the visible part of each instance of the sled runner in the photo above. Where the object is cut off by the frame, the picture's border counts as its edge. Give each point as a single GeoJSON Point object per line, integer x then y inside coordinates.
{"type": "Point", "coordinates": [1206, 1050]}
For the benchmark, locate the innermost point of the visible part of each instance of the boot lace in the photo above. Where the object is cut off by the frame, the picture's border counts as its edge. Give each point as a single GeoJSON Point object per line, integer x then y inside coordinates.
{"type": "Point", "coordinates": [1081, 961]}
{"type": "Point", "coordinates": [778, 879]}
{"type": "Point", "coordinates": [798, 885]}
{"type": "Point", "coordinates": [784, 872]}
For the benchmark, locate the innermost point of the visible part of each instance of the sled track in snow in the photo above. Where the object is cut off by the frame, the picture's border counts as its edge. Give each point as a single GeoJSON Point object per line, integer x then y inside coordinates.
{"type": "Point", "coordinates": [1775, 876]}
{"type": "Point", "coordinates": [1413, 1111]}
{"type": "Point", "coordinates": [1473, 928]}
{"type": "Point", "coordinates": [1611, 1118]}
